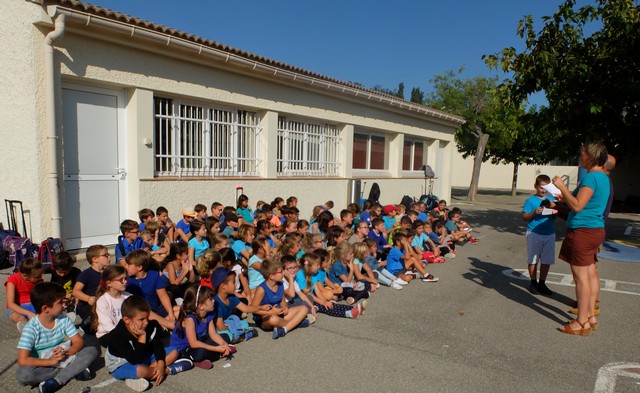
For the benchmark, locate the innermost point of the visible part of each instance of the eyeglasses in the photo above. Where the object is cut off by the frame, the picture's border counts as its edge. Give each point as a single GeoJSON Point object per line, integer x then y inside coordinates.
{"type": "Point", "coordinates": [279, 272]}
{"type": "Point", "coordinates": [134, 231]}
{"type": "Point", "coordinates": [121, 280]}
{"type": "Point", "coordinates": [291, 268]}
{"type": "Point", "coordinates": [105, 255]}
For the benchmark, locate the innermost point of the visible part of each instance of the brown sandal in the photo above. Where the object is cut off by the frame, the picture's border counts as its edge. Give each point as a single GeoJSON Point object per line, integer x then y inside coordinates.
{"type": "Point", "coordinates": [567, 329]}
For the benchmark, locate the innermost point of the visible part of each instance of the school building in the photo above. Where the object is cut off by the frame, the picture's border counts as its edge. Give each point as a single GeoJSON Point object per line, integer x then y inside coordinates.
{"type": "Point", "coordinates": [105, 114]}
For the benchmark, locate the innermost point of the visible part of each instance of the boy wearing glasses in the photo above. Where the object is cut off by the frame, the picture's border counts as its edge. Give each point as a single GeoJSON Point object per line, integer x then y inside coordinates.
{"type": "Point", "coordinates": [88, 281]}
{"type": "Point", "coordinates": [129, 240]}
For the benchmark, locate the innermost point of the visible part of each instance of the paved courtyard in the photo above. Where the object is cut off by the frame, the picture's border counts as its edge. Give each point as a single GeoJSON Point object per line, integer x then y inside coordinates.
{"type": "Point", "coordinates": [476, 330]}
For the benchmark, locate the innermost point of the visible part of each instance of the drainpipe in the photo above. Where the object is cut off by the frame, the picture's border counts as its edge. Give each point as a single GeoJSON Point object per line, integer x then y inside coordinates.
{"type": "Point", "coordinates": [52, 137]}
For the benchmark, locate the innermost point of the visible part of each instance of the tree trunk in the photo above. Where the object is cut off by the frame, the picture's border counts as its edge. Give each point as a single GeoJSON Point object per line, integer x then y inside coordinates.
{"type": "Point", "coordinates": [514, 179]}
{"type": "Point", "coordinates": [477, 162]}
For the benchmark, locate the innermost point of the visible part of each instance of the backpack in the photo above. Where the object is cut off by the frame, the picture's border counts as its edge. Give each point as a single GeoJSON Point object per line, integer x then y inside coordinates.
{"type": "Point", "coordinates": [406, 202]}
{"type": "Point", "coordinates": [374, 193]}
{"type": "Point", "coordinates": [429, 200]}
{"type": "Point", "coordinates": [49, 249]}
{"type": "Point", "coordinates": [19, 249]}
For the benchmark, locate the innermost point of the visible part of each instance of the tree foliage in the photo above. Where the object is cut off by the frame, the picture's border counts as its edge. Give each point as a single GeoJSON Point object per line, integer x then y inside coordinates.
{"type": "Point", "coordinates": [586, 62]}
{"type": "Point", "coordinates": [417, 96]}
{"type": "Point", "coordinates": [396, 93]}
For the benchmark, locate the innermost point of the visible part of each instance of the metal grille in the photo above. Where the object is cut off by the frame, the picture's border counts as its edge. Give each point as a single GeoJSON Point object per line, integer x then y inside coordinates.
{"type": "Point", "coordinates": [195, 140]}
{"type": "Point", "coordinates": [307, 149]}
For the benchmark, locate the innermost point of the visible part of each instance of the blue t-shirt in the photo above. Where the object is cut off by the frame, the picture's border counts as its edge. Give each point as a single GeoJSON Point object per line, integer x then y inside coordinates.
{"type": "Point", "coordinates": [451, 226]}
{"type": "Point", "coordinates": [124, 247]}
{"type": "Point", "coordinates": [199, 247]}
{"type": "Point", "coordinates": [418, 241]}
{"type": "Point", "coordinates": [394, 260]}
{"type": "Point", "coordinates": [272, 298]}
{"type": "Point", "coordinates": [592, 215]}
{"type": "Point", "coordinates": [380, 239]}
{"type": "Point", "coordinates": [238, 246]}
{"type": "Point", "coordinates": [224, 311]}
{"type": "Point", "coordinates": [147, 287]}
{"type": "Point", "coordinates": [365, 216]}
{"type": "Point", "coordinates": [422, 216]}
{"type": "Point", "coordinates": [319, 277]}
{"type": "Point", "coordinates": [179, 336]}
{"type": "Point", "coordinates": [372, 262]}
{"type": "Point", "coordinates": [434, 237]}
{"type": "Point", "coordinates": [255, 277]}
{"type": "Point", "coordinates": [337, 270]}
{"type": "Point", "coordinates": [185, 226]}
{"type": "Point", "coordinates": [542, 225]}
{"type": "Point", "coordinates": [246, 215]}
{"type": "Point", "coordinates": [389, 222]}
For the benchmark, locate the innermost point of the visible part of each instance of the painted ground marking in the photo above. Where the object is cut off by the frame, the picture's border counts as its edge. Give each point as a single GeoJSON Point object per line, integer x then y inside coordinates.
{"type": "Point", "coordinates": [629, 288]}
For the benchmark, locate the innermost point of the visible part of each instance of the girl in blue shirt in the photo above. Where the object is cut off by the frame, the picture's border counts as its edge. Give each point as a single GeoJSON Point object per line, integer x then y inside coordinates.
{"type": "Point", "coordinates": [198, 243]}
{"type": "Point", "coordinates": [195, 335]}
{"type": "Point", "coordinates": [342, 272]}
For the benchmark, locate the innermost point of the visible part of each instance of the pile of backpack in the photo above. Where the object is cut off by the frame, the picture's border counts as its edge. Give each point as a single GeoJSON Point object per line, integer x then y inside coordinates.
{"type": "Point", "coordinates": [15, 249]}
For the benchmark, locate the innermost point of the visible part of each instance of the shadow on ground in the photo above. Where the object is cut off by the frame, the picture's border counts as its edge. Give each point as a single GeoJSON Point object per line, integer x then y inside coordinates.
{"type": "Point", "coordinates": [489, 275]}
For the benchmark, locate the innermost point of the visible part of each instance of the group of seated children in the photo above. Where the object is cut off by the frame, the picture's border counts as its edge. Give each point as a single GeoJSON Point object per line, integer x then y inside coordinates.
{"type": "Point", "coordinates": [199, 279]}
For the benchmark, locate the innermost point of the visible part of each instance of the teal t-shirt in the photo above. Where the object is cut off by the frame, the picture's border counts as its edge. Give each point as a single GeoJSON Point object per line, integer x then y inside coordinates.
{"type": "Point", "coordinates": [592, 216]}
{"type": "Point", "coordinates": [542, 225]}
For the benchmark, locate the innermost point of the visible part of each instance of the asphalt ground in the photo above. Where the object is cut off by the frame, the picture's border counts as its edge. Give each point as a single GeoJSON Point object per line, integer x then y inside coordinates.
{"type": "Point", "coordinates": [476, 330]}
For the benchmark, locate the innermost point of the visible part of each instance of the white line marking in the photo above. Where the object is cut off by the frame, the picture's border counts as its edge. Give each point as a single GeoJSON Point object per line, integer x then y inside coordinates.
{"type": "Point", "coordinates": [105, 383]}
{"type": "Point", "coordinates": [567, 281]}
{"type": "Point", "coordinates": [607, 375]}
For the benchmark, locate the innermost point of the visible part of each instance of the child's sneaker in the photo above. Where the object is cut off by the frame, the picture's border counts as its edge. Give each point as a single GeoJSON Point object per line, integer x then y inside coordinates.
{"type": "Point", "coordinates": [450, 255]}
{"type": "Point", "coordinates": [362, 306]}
{"type": "Point", "coordinates": [138, 384]}
{"type": "Point", "coordinates": [353, 313]}
{"type": "Point", "coordinates": [85, 375]}
{"type": "Point", "coordinates": [350, 300]}
{"type": "Point", "coordinates": [278, 332]}
{"type": "Point", "coordinates": [473, 240]}
{"type": "Point", "coordinates": [305, 323]}
{"type": "Point", "coordinates": [430, 278]}
{"type": "Point", "coordinates": [400, 281]}
{"type": "Point", "coordinates": [20, 326]}
{"type": "Point", "coordinates": [205, 364]}
{"type": "Point", "coordinates": [249, 334]}
{"type": "Point", "coordinates": [395, 285]}
{"type": "Point", "coordinates": [49, 386]}
{"type": "Point", "coordinates": [311, 318]}
{"type": "Point", "coordinates": [179, 366]}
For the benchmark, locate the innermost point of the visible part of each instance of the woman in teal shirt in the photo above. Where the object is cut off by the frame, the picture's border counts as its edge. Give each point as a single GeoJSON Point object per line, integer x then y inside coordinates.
{"type": "Point", "coordinates": [585, 234]}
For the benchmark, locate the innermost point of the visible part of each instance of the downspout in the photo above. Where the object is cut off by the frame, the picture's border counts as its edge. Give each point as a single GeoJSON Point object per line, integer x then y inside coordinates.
{"type": "Point", "coordinates": [52, 137]}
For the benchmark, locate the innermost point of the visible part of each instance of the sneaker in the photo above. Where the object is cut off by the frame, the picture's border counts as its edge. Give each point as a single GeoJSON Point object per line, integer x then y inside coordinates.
{"type": "Point", "coordinates": [311, 318]}
{"type": "Point", "coordinates": [350, 300]}
{"type": "Point", "coordinates": [543, 289]}
{"type": "Point", "coordinates": [401, 281]}
{"type": "Point", "coordinates": [138, 385]}
{"type": "Point", "coordinates": [205, 364]}
{"type": "Point", "coordinates": [395, 285]}
{"type": "Point", "coordinates": [533, 288]}
{"type": "Point", "coordinates": [85, 375]}
{"type": "Point", "coordinates": [251, 333]}
{"type": "Point", "coordinates": [49, 386]}
{"type": "Point", "coordinates": [278, 332]}
{"type": "Point", "coordinates": [232, 349]}
{"type": "Point", "coordinates": [362, 307]}
{"type": "Point", "coordinates": [353, 313]}
{"type": "Point", "coordinates": [473, 240]}
{"type": "Point", "coordinates": [179, 366]}
{"type": "Point", "coordinates": [20, 326]}
{"type": "Point", "coordinates": [413, 273]}
{"type": "Point", "coordinates": [305, 323]}
{"type": "Point", "coordinates": [430, 278]}
{"type": "Point", "coordinates": [450, 255]}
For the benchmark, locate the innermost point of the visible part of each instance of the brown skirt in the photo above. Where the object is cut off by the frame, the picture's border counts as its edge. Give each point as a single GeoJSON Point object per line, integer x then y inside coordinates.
{"type": "Point", "coordinates": [580, 246]}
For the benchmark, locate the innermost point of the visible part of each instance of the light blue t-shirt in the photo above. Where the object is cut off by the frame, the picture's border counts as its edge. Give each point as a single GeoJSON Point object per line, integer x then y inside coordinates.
{"type": "Point", "coordinates": [542, 225]}
{"type": "Point", "coordinates": [37, 339]}
{"type": "Point", "coordinates": [246, 214]}
{"type": "Point", "coordinates": [389, 222]}
{"type": "Point", "coordinates": [238, 246]}
{"type": "Point", "coordinates": [394, 260]}
{"type": "Point", "coordinates": [419, 240]}
{"type": "Point", "coordinates": [592, 215]}
{"type": "Point", "coordinates": [337, 270]}
{"type": "Point", "coordinates": [255, 277]}
{"type": "Point", "coordinates": [199, 247]}
{"type": "Point", "coordinates": [320, 276]}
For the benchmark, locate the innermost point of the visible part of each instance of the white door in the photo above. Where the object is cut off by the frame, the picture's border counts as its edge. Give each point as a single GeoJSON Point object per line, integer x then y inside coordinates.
{"type": "Point", "coordinates": [93, 166]}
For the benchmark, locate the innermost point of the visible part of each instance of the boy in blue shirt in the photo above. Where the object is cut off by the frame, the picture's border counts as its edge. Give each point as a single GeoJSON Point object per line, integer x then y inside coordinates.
{"type": "Point", "coordinates": [44, 358]}
{"type": "Point", "coordinates": [129, 240]}
{"type": "Point", "coordinates": [541, 235]}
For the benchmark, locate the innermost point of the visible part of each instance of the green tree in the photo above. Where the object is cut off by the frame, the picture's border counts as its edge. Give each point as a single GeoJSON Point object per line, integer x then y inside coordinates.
{"type": "Point", "coordinates": [587, 64]}
{"type": "Point", "coordinates": [417, 96]}
{"type": "Point", "coordinates": [400, 92]}
{"type": "Point", "coordinates": [490, 126]}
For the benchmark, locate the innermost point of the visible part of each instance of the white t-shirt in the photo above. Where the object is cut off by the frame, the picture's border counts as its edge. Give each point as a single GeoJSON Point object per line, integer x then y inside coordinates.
{"type": "Point", "coordinates": [109, 312]}
{"type": "Point", "coordinates": [285, 284]}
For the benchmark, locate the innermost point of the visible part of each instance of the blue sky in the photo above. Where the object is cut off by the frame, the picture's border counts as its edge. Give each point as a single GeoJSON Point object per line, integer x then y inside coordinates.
{"type": "Point", "coordinates": [369, 42]}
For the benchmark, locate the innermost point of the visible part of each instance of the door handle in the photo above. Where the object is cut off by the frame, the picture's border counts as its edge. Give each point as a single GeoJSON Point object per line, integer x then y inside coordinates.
{"type": "Point", "coordinates": [122, 172]}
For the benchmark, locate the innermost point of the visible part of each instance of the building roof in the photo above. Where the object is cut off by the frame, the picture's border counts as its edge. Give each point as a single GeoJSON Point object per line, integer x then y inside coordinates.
{"type": "Point", "coordinates": [347, 87]}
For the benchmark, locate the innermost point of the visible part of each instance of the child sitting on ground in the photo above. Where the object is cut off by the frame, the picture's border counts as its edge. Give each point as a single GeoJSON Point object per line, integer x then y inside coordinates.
{"type": "Point", "coordinates": [65, 274]}
{"type": "Point", "coordinates": [242, 246]}
{"type": "Point", "coordinates": [244, 210]}
{"type": "Point", "coordinates": [156, 250]}
{"type": "Point", "coordinates": [178, 271]}
{"type": "Point", "coordinates": [363, 272]}
{"type": "Point", "coordinates": [44, 358]}
{"type": "Point", "coordinates": [147, 283]}
{"type": "Point", "coordinates": [88, 282]}
{"type": "Point", "coordinates": [342, 273]}
{"type": "Point", "coordinates": [292, 291]}
{"type": "Point", "coordinates": [261, 250]}
{"type": "Point", "coordinates": [206, 264]}
{"type": "Point", "coordinates": [182, 231]}
{"type": "Point", "coordinates": [441, 239]}
{"type": "Point", "coordinates": [401, 265]}
{"type": "Point", "coordinates": [195, 336]}
{"type": "Point", "coordinates": [166, 225]}
{"type": "Point", "coordinates": [458, 229]}
{"type": "Point", "coordinates": [136, 353]}
{"type": "Point", "coordinates": [19, 286]}
{"type": "Point", "coordinates": [129, 240]}
{"type": "Point", "coordinates": [198, 243]}
{"type": "Point", "coordinates": [379, 267]}
{"type": "Point", "coordinates": [326, 288]}
{"type": "Point", "coordinates": [226, 322]}
{"type": "Point", "coordinates": [442, 210]}
{"type": "Point", "coordinates": [279, 316]}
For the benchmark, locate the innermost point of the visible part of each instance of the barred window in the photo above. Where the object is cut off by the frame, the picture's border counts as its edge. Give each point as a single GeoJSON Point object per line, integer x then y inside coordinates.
{"type": "Point", "coordinates": [307, 149]}
{"type": "Point", "coordinates": [202, 140]}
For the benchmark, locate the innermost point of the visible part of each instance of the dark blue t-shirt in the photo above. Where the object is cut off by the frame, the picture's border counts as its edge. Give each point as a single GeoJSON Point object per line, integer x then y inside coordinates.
{"type": "Point", "coordinates": [394, 260]}
{"type": "Point", "coordinates": [336, 271]}
{"type": "Point", "coordinates": [147, 287]}
{"type": "Point", "coordinates": [224, 311]}
{"type": "Point", "coordinates": [179, 336]}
